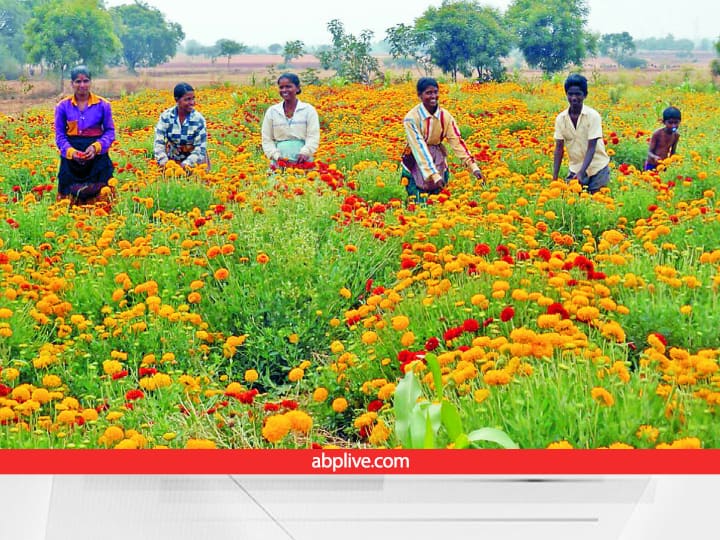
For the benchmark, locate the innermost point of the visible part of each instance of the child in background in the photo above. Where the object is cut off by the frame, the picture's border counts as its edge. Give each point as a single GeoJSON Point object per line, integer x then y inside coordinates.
{"type": "Point", "coordinates": [663, 142]}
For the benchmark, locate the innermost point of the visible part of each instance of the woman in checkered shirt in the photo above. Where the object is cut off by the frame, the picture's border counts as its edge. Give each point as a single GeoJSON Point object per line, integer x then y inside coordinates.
{"type": "Point", "coordinates": [181, 133]}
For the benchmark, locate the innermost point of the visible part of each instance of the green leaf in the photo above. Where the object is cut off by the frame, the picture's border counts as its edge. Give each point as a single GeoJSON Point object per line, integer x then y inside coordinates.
{"type": "Point", "coordinates": [462, 442]}
{"type": "Point", "coordinates": [492, 435]}
{"type": "Point", "coordinates": [419, 426]}
{"type": "Point", "coordinates": [434, 366]}
{"type": "Point", "coordinates": [451, 420]}
{"type": "Point", "coordinates": [434, 413]}
{"type": "Point", "coordinates": [404, 401]}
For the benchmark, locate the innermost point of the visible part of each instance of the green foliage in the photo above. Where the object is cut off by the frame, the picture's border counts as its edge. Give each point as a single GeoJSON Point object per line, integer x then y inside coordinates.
{"type": "Point", "coordinates": [551, 34]}
{"type": "Point", "coordinates": [435, 424]}
{"type": "Point", "coordinates": [13, 16]}
{"type": "Point", "coordinates": [54, 36]}
{"type": "Point", "coordinates": [228, 48]}
{"type": "Point", "coordinates": [632, 62]}
{"type": "Point", "coordinates": [350, 56]}
{"type": "Point", "coordinates": [465, 36]}
{"type": "Point", "coordinates": [410, 44]}
{"type": "Point", "coordinates": [617, 46]}
{"type": "Point", "coordinates": [292, 49]}
{"type": "Point", "coordinates": [147, 38]}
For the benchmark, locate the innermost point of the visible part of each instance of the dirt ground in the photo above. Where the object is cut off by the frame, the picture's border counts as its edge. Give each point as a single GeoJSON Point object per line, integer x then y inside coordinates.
{"type": "Point", "coordinates": [19, 96]}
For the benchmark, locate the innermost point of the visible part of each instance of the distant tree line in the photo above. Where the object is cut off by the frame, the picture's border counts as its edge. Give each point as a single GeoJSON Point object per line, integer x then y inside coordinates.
{"type": "Point", "coordinates": [461, 37]}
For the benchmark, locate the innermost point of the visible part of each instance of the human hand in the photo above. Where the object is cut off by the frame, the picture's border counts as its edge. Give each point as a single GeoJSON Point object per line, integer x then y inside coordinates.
{"type": "Point", "coordinates": [301, 158]}
{"type": "Point", "coordinates": [90, 152]}
{"type": "Point", "coordinates": [77, 155]}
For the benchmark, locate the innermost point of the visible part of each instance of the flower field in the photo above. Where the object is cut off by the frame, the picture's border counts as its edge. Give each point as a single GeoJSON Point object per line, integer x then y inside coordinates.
{"type": "Point", "coordinates": [243, 308]}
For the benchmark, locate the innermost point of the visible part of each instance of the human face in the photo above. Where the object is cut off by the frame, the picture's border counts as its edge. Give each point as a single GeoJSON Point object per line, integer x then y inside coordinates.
{"type": "Point", "coordinates": [81, 86]}
{"type": "Point", "coordinates": [429, 98]}
{"type": "Point", "coordinates": [672, 124]}
{"type": "Point", "coordinates": [288, 90]}
{"type": "Point", "coordinates": [575, 97]}
{"type": "Point", "coordinates": [186, 104]}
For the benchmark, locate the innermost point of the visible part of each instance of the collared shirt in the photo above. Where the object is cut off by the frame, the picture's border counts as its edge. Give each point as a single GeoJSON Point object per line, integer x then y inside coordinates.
{"type": "Point", "coordinates": [589, 126]}
{"type": "Point", "coordinates": [303, 126]}
{"type": "Point", "coordinates": [186, 142]}
{"type": "Point", "coordinates": [423, 129]}
{"type": "Point", "coordinates": [95, 121]}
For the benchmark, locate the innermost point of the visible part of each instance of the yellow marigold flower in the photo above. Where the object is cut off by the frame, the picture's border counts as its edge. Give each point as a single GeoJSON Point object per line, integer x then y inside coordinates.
{"type": "Point", "coordinates": [587, 313]}
{"type": "Point", "coordinates": [51, 381]}
{"type": "Point", "coordinates": [387, 391]}
{"type": "Point", "coordinates": [612, 330]}
{"type": "Point", "coordinates": [276, 427]}
{"type": "Point", "coordinates": [380, 433]}
{"type": "Point", "coordinates": [111, 367]}
{"type": "Point", "coordinates": [200, 444]}
{"type": "Point", "coordinates": [647, 432]}
{"type": "Point", "coordinates": [495, 377]}
{"type": "Point", "coordinates": [602, 396]}
{"type": "Point", "coordinates": [688, 443]}
{"type": "Point", "coordinates": [320, 394]}
{"type": "Point", "coordinates": [300, 421]}
{"type": "Point", "coordinates": [656, 344]}
{"type": "Point", "coordinates": [296, 374]}
{"type": "Point", "coordinates": [560, 445]}
{"type": "Point", "coordinates": [407, 339]}
{"type": "Point", "coordinates": [41, 395]}
{"type": "Point", "coordinates": [66, 417]}
{"type": "Point", "coordinates": [365, 420]}
{"type": "Point", "coordinates": [369, 337]}
{"type": "Point", "coordinates": [481, 394]}
{"type": "Point", "coordinates": [251, 375]}
{"type": "Point", "coordinates": [6, 414]}
{"type": "Point", "coordinates": [221, 274]}
{"type": "Point", "coordinates": [21, 393]}
{"type": "Point", "coordinates": [5, 313]}
{"type": "Point", "coordinates": [339, 405]}
{"type": "Point", "coordinates": [480, 300]}
{"type": "Point", "coordinates": [337, 347]}
{"type": "Point", "coordinates": [89, 415]}
{"type": "Point", "coordinates": [345, 292]}
{"type": "Point", "coordinates": [113, 434]}
{"type": "Point", "coordinates": [10, 374]}
{"type": "Point", "coordinates": [686, 310]}
{"type": "Point", "coordinates": [196, 285]}
{"type": "Point", "coordinates": [194, 297]}
{"type": "Point", "coordinates": [620, 446]}
{"type": "Point", "coordinates": [400, 323]}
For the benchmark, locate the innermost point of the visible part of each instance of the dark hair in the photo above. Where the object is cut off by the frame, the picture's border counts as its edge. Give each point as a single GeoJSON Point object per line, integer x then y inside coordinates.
{"type": "Point", "coordinates": [671, 113]}
{"type": "Point", "coordinates": [79, 70]}
{"type": "Point", "coordinates": [292, 78]}
{"type": "Point", "coordinates": [577, 80]}
{"type": "Point", "coordinates": [181, 89]}
{"type": "Point", "coordinates": [424, 82]}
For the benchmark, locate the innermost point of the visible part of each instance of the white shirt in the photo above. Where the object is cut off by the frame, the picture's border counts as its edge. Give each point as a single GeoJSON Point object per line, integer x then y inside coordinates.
{"type": "Point", "coordinates": [304, 125]}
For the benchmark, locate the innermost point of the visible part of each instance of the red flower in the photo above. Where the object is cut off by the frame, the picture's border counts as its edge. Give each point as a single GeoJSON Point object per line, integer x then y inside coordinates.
{"type": "Point", "coordinates": [368, 285]}
{"type": "Point", "coordinates": [134, 394]}
{"type": "Point", "coordinates": [662, 338]}
{"type": "Point", "coordinates": [502, 250]}
{"type": "Point", "coordinates": [199, 222]}
{"type": "Point", "coordinates": [290, 404]}
{"type": "Point", "coordinates": [375, 405]}
{"type": "Point", "coordinates": [558, 308]}
{"type": "Point", "coordinates": [487, 322]}
{"type": "Point", "coordinates": [452, 333]}
{"type": "Point", "coordinates": [407, 264]}
{"type": "Point", "coordinates": [4, 390]}
{"type": "Point", "coordinates": [120, 374]}
{"type": "Point", "coordinates": [143, 371]}
{"type": "Point", "coordinates": [432, 344]}
{"type": "Point", "coordinates": [507, 314]}
{"type": "Point", "coordinates": [471, 325]}
{"type": "Point", "coordinates": [482, 249]}
{"type": "Point", "coordinates": [271, 407]}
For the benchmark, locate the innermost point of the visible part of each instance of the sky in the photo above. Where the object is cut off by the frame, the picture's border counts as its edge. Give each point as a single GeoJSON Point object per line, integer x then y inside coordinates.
{"type": "Point", "coordinates": [253, 22]}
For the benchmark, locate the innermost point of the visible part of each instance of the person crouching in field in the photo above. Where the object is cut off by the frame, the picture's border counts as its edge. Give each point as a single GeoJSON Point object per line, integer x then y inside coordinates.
{"type": "Point", "coordinates": [424, 160]}
{"type": "Point", "coordinates": [291, 128]}
{"type": "Point", "coordinates": [579, 128]}
{"type": "Point", "coordinates": [84, 131]}
{"type": "Point", "coordinates": [663, 142]}
{"type": "Point", "coordinates": [181, 132]}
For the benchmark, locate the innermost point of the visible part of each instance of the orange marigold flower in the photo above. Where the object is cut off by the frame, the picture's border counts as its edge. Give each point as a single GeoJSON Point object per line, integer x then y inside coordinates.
{"type": "Point", "coordinates": [602, 396]}
{"type": "Point", "coordinates": [200, 444]}
{"type": "Point", "coordinates": [221, 274]}
{"type": "Point", "coordinates": [560, 445]}
{"type": "Point", "coordinates": [320, 395]}
{"type": "Point", "coordinates": [299, 421]}
{"type": "Point", "coordinates": [262, 258]}
{"type": "Point", "coordinates": [339, 405]}
{"type": "Point", "coordinates": [276, 427]}
{"type": "Point", "coordinates": [296, 374]}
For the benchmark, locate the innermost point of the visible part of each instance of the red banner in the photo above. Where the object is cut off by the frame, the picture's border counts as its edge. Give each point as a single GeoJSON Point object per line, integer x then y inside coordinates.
{"type": "Point", "coordinates": [391, 462]}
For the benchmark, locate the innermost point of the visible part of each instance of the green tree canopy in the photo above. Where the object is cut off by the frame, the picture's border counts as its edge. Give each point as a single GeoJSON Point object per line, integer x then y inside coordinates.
{"type": "Point", "coordinates": [147, 38]}
{"type": "Point", "coordinates": [229, 48]}
{"type": "Point", "coordinates": [61, 33]}
{"type": "Point", "coordinates": [293, 49]}
{"type": "Point", "coordinates": [407, 42]}
{"type": "Point", "coordinates": [551, 34]}
{"type": "Point", "coordinates": [13, 16]}
{"type": "Point", "coordinates": [617, 46]}
{"type": "Point", "coordinates": [466, 36]}
{"type": "Point", "coordinates": [349, 55]}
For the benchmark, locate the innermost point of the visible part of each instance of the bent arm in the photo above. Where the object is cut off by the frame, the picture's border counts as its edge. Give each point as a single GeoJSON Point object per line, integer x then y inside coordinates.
{"type": "Point", "coordinates": [589, 155]}
{"type": "Point", "coordinates": [459, 148]}
{"type": "Point", "coordinates": [199, 153]}
{"type": "Point", "coordinates": [557, 157]}
{"type": "Point", "coordinates": [102, 145]}
{"type": "Point", "coordinates": [61, 140]}
{"type": "Point", "coordinates": [312, 135]}
{"type": "Point", "coordinates": [161, 129]}
{"type": "Point", "coordinates": [268, 140]}
{"type": "Point", "coordinates": [420, 150]}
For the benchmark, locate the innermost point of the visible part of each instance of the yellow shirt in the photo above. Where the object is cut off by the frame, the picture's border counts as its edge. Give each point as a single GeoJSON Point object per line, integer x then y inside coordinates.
{"type": "Point", "coordinates": [589, 126]}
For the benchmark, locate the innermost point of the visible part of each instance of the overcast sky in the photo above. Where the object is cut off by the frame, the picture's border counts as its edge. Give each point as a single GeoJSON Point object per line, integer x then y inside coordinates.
{"type": "Point", "coordinates": [258, 22]}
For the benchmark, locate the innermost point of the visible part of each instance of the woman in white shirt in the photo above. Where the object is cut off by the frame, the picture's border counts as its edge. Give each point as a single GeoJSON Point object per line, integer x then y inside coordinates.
{"type": "Point", "coordinates": [291, 128]}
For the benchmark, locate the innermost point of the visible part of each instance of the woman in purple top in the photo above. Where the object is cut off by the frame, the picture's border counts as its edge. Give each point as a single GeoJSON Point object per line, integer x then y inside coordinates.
{"type": "Point", "coordinates": [84, 131]}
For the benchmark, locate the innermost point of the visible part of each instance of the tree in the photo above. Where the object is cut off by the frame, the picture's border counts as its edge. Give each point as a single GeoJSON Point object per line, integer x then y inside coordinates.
{"type": "Point", "coordinates": [292, 50]}
{"type": "Point", "coordinates": [13, 16]}
{"type": "Point", "coordinates": [147, 38]}
{"type": "Point", "coordinates": [350, 56]}
{"type": "Point", "coordinates": [228, 48]}
{"type": "Point", "coordinates": [617, 46]}
{"type": "Point", "coordinates": [466, 36]}
{"type": "Point", "coordinates": [275, 48]}
{"type": "Point", "coordinates": [407, 42]}
{"type": "Point", "coordinates": [551, 34]}
{"type": "Point", "coordinates": [715, 64]}
{"type": "Point", "coordinates": [61, 33]}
